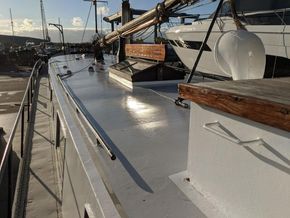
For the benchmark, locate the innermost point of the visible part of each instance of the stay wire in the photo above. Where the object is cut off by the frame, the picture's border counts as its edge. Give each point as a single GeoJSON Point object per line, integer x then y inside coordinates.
{"type": "Point", "coordinates": [67, 75]}
{"type": "Point", "coordinates": [87, 22]}
{"type": "Point", "coordinates": [196, 6]}
{"type": "Point", "coordinates": [147, 36]}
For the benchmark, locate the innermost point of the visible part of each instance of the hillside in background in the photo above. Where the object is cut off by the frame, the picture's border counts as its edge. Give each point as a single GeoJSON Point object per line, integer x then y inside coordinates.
{"type": "Point", "coordinates": [18, 40]}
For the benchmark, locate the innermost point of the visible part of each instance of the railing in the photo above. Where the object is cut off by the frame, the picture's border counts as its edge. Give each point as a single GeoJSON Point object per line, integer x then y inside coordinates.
{"type": "Point", "coordinates": [101, 140]}
{"type": "Point", "coordinates": [17, 137]}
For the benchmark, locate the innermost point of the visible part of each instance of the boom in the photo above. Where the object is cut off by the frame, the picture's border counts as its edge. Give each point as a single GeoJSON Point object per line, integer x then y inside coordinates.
{"type": "Point", "coordinates": [152, 17]}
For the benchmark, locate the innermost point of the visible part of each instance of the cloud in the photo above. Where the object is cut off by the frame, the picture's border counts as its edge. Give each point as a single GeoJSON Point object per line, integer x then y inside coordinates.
{"type": "Point", "coordinates": [20, 25]}
{"type": "Point", "coordinates": [77, 22]}
{"type": "Point", "coordinates": [27, 22]}
{"type": "Point", "coordinates": [26, 25]}
{"type": "Point", "coordinates": [5, 26]}
{"type": "Point", "coordinates": [104, 10]}
{"type": "Point", "coordinates": [4, 23]}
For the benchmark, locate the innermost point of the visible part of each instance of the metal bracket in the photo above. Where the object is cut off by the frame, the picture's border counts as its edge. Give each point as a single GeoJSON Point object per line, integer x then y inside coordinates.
{"type": "Point", "coordinates": [228, 134]}
{"type": "Point", "coordinates": [179, 102]}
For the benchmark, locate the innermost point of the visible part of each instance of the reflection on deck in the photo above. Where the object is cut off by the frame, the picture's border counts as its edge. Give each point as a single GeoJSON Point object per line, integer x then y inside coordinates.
{"type": "Point", "coordinates": [144, 129]}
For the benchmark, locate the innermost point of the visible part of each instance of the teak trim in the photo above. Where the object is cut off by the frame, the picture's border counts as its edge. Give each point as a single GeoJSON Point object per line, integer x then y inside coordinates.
{"type": "Point", "coordinates": [260, 110]}
{"type": "Point", "coordinates": [154, 52]}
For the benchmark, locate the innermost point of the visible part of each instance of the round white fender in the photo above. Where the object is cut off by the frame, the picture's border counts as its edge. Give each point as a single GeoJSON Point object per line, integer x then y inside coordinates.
{"type": "Point", "coordinates": [241, 55]}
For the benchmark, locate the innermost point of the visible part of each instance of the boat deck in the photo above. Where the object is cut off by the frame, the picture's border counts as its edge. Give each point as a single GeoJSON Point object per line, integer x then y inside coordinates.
{"type": "Point", "coordinates": [147, 133]}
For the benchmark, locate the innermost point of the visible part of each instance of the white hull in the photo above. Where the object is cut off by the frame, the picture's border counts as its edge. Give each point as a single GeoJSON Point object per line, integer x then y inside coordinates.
{"type": "Point", "coordinates": [276, 39]}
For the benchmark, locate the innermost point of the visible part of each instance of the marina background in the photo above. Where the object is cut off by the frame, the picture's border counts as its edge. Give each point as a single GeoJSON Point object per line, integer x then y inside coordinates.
{"type": "Point", "coordinates": [72, 14]}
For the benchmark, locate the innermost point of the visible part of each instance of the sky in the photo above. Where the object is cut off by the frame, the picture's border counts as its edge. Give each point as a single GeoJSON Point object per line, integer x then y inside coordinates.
{"type": "Point", "coordinates": [72, 13]}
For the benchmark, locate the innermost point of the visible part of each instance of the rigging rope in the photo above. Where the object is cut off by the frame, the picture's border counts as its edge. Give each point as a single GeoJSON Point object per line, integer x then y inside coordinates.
{"type": "Point", "coordinates": [237, 21]}
{"type": "Point", "coordinates": [141, 33]}
{"type": "Point", "coordinates": [147, 36]}
{"type": "Point", "coordinates": [149, 31]}
{"type": "Point", "coordinates": [87, 22]}
{"type": "Point", "coordinates": [196, 6]}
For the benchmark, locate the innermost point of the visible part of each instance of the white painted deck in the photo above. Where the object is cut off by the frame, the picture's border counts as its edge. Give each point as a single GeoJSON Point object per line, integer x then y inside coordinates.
{"type": "Point", "coordinates": [146, 131]}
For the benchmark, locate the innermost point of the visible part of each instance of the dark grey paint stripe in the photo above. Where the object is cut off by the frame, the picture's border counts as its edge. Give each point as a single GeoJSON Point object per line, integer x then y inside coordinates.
{"type": "Point", "coordinates": [189, 44]}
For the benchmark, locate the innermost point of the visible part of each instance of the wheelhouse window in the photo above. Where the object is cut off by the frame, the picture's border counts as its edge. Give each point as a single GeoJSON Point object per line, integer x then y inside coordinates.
{"type": "Point", "coordinates": [270, 17]}
{"type": "Point", "coordinates": [267, 18]}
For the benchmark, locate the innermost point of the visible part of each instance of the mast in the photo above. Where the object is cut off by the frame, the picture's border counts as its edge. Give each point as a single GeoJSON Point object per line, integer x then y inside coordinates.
{"type": "Point", "coordinates": [44, 24]}
{"type": "Point", "coordinates": [12, 27]}
{"type": "Point", "coordinates": [96, 15]}
{"type": "Point", "coordinates": [96, 11]}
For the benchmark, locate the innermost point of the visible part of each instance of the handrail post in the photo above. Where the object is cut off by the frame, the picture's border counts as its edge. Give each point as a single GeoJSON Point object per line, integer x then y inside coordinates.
{"type": "Point", "coordinates": [32, 80]}
{"type": "Point", "coordinates": [28, 105]}
{"type": "Point", "coordinates": [9, 183]}
{"type": "Point", "coordinates": [22, 132]}
{"type": "Point", "coordinates": [31, 88]}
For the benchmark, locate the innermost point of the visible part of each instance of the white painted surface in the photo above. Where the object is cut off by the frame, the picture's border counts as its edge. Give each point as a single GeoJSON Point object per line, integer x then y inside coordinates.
{"type": "Point", "coordinates": [131, 85]}
{"type": "Point", "coordinates": [195, 196]}
{"type": "Point", "coordinates": [274, 38]}
{"type": "Point", "coordinates": [241, 55]}
{"type": "Point", "coordinates": [82, 182]}
{"type": "Point", "coordinates": [241, 180]}
{"type": "Point", "coordinates": [121, 80]}
{"type": "Point", "coordinates": [147, 133]}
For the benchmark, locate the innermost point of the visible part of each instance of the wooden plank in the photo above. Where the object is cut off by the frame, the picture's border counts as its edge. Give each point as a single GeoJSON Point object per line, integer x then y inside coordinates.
{"type": "Point", "coordinates": [263, 101]}
{"type": "Point", "coordinates": [147, 51]}
{"type": "Point", "coordinates": [276, 90]}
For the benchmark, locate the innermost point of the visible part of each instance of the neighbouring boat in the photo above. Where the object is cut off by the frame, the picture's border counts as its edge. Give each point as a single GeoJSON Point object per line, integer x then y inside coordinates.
{"type": "Point", "coordinates": [271, 25]}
